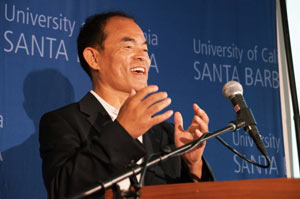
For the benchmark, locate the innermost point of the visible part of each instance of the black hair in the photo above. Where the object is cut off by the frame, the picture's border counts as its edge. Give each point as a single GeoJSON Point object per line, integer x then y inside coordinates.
{"type": "Point", "coordinates": [92, 34]}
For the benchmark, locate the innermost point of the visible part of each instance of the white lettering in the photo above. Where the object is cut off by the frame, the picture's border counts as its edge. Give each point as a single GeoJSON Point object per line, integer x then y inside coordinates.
{"type": "Point", "coordinates": [258, 78]}
{"type": "Point", "coordinates": [27, 17]}
{"type": "Point", "coordinates": [8, 41]}
{"type": "Point", "coordinates": [64, 52]}
{"type": "Point", "coordinates": [196, 64]}
{"type": "Point", "coordinates": [153, 63]}
{"type": "Point", "coordinates": [237, 163]}
{"type": "Point", "coordinates": [209, 49]}
{"type": "Point", "coordinates": [37, 47]}
{"type": "Point", "coordinates": [24, 46]}
{"type": "Point", "coordinates": [42, 21]}
{"type": "Point", "coordinates": [12, 18]}
{"type": "Point", "coordinates": [243, 167]}
{"type": "Point", "coordinates": [71, 27]}
{"type": "Point", "coordinates": [214, 73]}
{"type": "Point", "coordinates": [206, 72]}
{"type": "Point", "coordinates": [152, 38]}
{"type": "Point", "coordinates": [269, 56]}
{"type": "Point", "coordinates": [50, 39]}
{"type": "Point", "coordinates": [263, 78]}
{"type": "Point", "coordinates": [275, 78]}
{"type": "Point", "coordinates": [243, 139]}
{"type": "Point", "coordinates": [273, 166]}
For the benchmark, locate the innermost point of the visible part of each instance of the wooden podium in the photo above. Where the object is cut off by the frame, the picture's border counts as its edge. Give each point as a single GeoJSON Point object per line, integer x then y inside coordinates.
{"type": "Point", "coordinates": [254, 189]}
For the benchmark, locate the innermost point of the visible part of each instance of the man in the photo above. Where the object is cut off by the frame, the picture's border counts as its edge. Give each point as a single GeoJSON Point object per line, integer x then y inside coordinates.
{"type": "Point", "coordinates": [119, 121]}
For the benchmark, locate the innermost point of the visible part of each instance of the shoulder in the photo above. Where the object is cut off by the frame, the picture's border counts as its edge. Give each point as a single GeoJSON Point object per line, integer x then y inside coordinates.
{"type": "Point", "coordinates": [74, 109]}
{"type": "Point", "coordinates": [62, 111]}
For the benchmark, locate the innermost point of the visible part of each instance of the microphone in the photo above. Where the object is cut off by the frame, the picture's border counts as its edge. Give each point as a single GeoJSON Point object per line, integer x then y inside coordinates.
{"type": "Point", "coordinates": [233, 91]}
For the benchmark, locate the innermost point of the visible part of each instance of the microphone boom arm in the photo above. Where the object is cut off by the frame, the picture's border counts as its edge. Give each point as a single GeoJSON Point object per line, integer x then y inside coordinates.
{"type": "Point", "coordinates": [232, 126]}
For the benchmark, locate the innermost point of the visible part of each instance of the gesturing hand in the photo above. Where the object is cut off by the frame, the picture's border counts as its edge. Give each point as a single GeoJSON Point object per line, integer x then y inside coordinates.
{"type": "Point", "coordinates": [198, 126]}
{"type": "Point", "coordinates": [137, 113]}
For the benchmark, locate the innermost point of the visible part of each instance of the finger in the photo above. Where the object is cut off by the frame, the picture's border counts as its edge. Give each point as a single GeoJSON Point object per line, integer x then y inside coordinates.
{"type": "Point", "coordinates": [198, 133]}
{"type": "Point", "coordinates": [154, 98]}
{"type": "Point", "coordinates": [201, 113]}
{"type": "Point", "coordinates": [178, 121]}
{"type": "Point", "coordinates": [195, 107]}
{"type": "Point", "coordinates": [161, 117]}
{"type": "Point", "coordinates": [141, 94]}
{"type": "Point", "coordinates": [197, 111]}
{"type": "Point", "coordinates": [203, 125]}
{"type": "Point", "coordinates": [159, 106]}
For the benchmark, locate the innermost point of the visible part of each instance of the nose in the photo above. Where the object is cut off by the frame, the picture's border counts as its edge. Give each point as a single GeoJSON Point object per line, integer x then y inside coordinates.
{"type": "Point", "coordinates": [142, 56]}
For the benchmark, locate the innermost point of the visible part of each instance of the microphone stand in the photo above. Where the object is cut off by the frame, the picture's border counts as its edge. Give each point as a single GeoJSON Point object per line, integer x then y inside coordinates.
{"type": "Point", "coordinates": [232, 126]}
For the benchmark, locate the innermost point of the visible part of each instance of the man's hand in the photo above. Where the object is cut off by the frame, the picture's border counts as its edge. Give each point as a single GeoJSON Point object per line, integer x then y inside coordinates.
{"type": "Point", "coordinates": [198, 126]}
{"type": "Point", "coordinates": [136, 114]}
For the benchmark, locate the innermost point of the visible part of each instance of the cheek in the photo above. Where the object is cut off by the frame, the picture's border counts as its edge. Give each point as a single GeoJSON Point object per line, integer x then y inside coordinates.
{"type": "Point", "coordinates": [148, 61]}
{"type": "Point", "coordinates": [123, 62]}
{"type": "Point", "coordinates": [121, 57]}
{"type": "Point", "coordinates": [118, 64]}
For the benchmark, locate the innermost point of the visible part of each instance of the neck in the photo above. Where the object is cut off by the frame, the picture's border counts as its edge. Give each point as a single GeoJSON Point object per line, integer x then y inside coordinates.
{"type": "Point", "coordinates": [112, 97]}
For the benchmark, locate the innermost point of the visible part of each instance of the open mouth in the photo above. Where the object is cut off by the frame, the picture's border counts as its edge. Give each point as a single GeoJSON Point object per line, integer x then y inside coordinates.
{"type": "Point", "coordinates": [138, 70]}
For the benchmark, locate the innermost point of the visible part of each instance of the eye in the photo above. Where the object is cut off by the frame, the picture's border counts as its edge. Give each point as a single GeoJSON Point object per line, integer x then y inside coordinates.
{"type": "Point", "coordinates": [146, 50]}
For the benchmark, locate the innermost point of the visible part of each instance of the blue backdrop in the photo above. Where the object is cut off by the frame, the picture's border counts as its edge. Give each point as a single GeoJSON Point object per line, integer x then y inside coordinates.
{"type": "Point", "coordinates": [195, 48]}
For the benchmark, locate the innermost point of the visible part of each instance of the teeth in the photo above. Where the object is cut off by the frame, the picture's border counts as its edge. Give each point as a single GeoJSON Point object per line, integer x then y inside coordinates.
{"type": "Point", "coordinates": [138, 69]}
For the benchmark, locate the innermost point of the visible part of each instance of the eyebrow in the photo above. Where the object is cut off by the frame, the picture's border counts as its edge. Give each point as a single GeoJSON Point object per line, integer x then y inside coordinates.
{"type": "Point", "coordinates": [125, 39]}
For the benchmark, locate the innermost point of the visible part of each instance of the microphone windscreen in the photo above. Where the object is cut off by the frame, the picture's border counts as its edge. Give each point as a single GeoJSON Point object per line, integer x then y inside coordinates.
{"type": "Point", "coordinates": [231, 89]}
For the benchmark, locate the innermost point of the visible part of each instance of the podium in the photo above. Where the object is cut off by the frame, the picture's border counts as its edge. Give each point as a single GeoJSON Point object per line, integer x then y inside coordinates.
{"type": "Point", "coordinates": [258, 188]}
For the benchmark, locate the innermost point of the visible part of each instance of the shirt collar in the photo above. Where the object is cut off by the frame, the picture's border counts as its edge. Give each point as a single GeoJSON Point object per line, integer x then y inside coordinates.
{"type": "Point", "coordinates": [112, 111]}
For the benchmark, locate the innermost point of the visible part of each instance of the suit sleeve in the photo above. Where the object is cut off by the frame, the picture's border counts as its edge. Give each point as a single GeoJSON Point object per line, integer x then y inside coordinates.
{"type": "Point", "coordinates": [75, 160]}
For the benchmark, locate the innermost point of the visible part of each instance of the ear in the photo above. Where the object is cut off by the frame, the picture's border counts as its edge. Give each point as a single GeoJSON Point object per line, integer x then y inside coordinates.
{"type": "Point", "coordinates": [91, 57]}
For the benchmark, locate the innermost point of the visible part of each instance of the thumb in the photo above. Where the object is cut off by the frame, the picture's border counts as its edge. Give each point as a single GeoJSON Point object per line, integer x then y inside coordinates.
{"type": "Point", "coordinates": [132, 93]}
{"type": "Point", "coordinates": [178, 122]}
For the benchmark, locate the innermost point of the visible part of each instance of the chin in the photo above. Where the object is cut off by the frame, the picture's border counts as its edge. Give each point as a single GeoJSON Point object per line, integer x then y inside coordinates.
{"type": "Point", "coordinates": [139, 87]}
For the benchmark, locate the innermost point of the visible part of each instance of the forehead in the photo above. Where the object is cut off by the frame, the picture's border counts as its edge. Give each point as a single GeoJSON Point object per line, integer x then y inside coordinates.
{"type": "Point", "coordinates": [119, 27]}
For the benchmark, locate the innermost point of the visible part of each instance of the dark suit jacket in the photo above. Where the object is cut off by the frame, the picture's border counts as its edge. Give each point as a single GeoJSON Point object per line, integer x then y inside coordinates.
{"type": "Point", "coordinates": [81, 146]}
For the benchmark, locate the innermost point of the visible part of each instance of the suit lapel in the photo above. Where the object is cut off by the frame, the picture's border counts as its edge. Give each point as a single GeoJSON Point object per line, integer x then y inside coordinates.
{"type": "Point", "coordinates": [147, 143]}
{"type": "Point", "coordinates": [97, 116]}
{"type": "Point", "coordinates": [152, 140]}
{"type": "Point", "coordinates": [95, 112]}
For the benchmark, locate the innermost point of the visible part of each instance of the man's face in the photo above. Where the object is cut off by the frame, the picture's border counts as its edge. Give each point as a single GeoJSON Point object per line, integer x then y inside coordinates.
{"type": "Point", "coordinates": [124, 61]}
